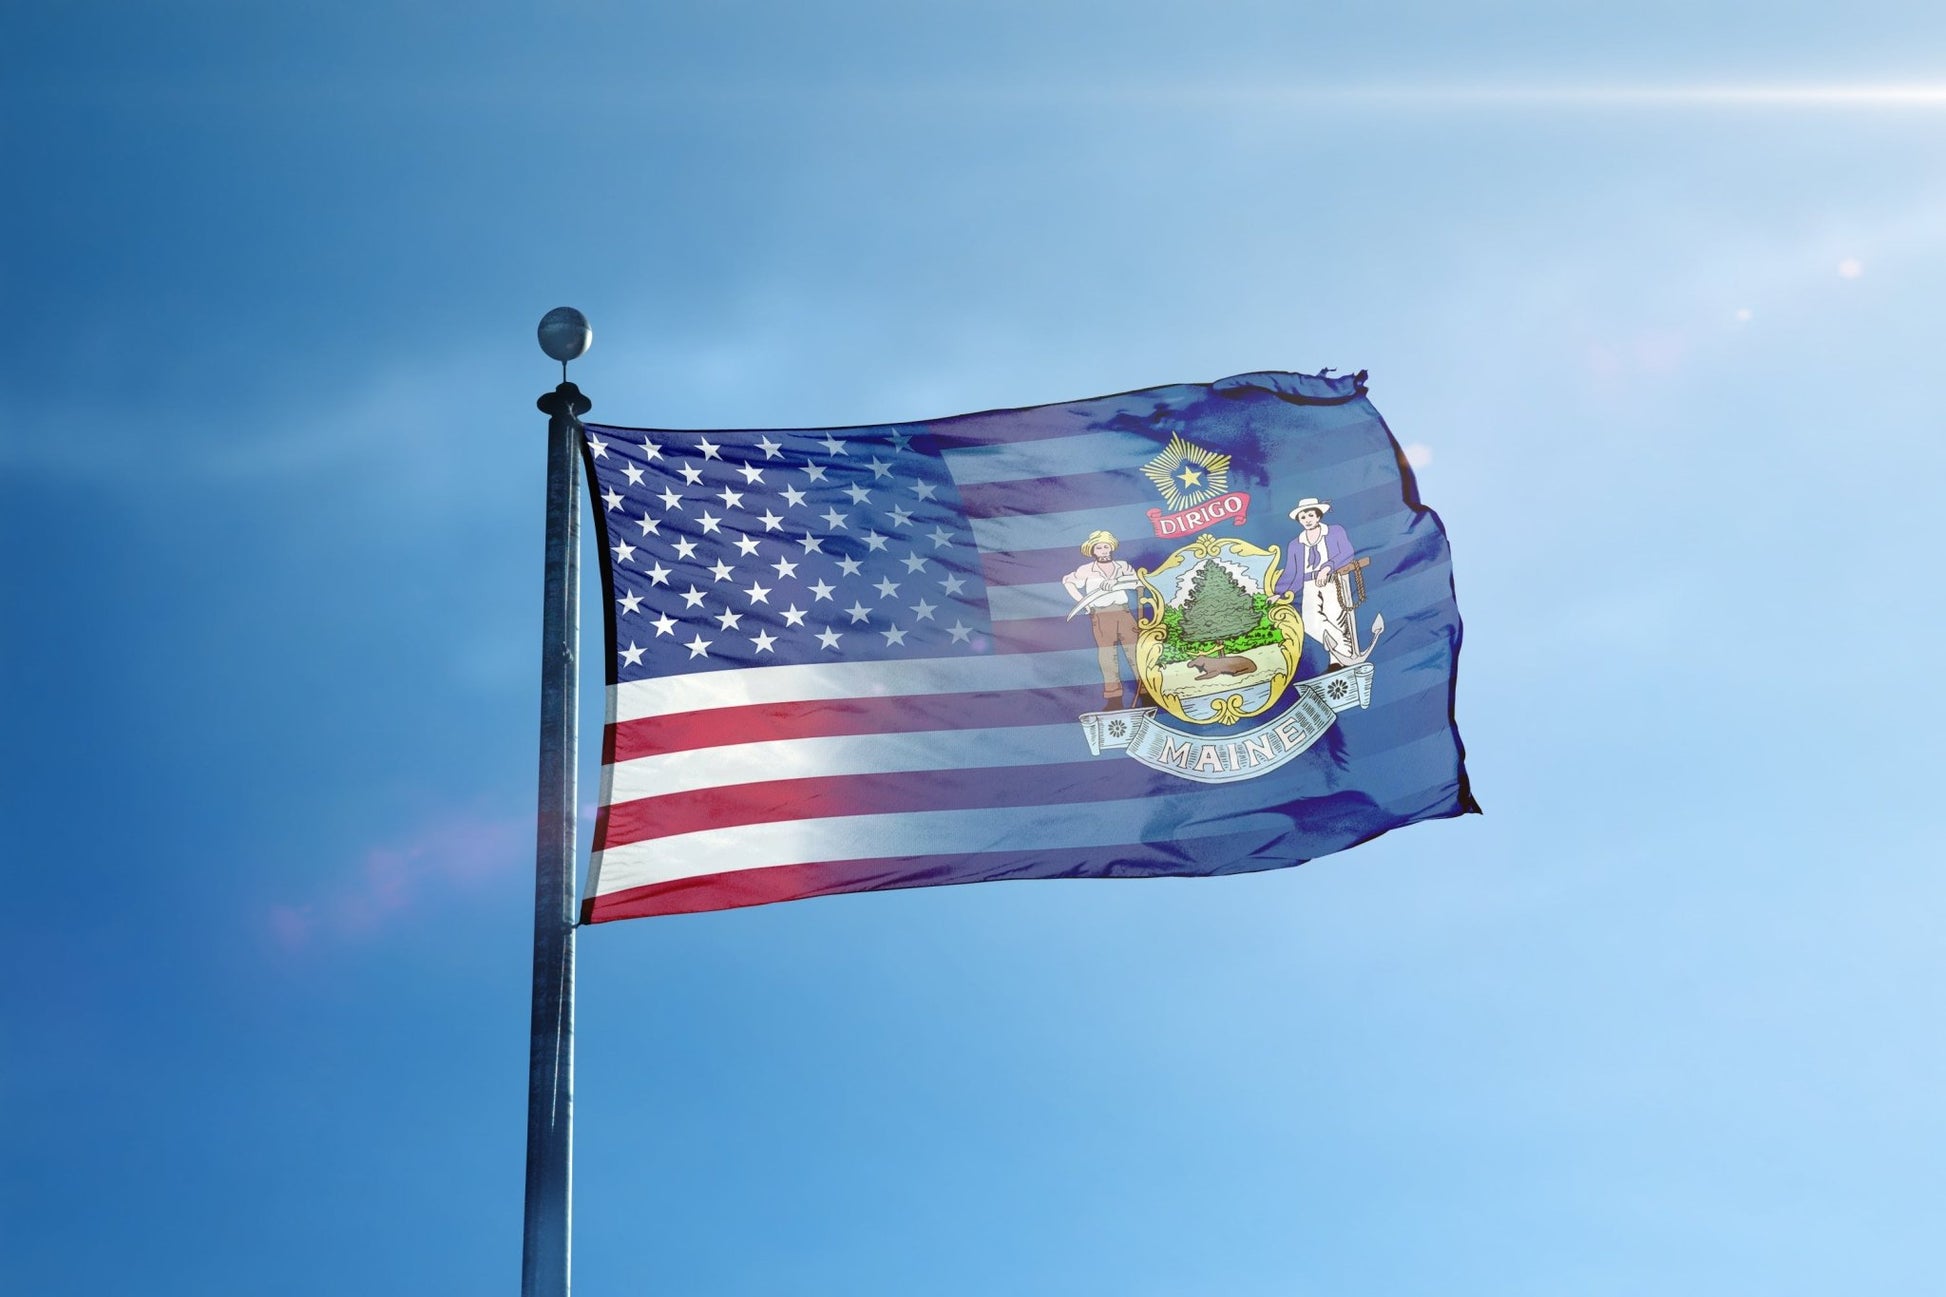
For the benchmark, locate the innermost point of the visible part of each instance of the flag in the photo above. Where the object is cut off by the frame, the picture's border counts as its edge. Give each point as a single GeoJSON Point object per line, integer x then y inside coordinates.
{"type": "Point", "coordinates": [1196, 629]}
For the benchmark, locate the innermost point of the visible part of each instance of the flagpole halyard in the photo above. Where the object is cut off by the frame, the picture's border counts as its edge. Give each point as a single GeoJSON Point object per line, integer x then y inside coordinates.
{"type": "Point", "coordinates": [546, 1250]}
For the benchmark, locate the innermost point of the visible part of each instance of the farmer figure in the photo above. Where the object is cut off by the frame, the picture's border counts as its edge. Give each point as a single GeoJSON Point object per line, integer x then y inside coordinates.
{"type": "Point", "coordinates": [1316, 553]}
{"type": "Point", "coordinates": [1102, 587]}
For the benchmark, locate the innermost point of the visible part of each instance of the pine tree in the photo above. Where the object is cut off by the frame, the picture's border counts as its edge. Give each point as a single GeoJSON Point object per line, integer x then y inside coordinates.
{"type": "Point", "coordinates": [1218, 608]}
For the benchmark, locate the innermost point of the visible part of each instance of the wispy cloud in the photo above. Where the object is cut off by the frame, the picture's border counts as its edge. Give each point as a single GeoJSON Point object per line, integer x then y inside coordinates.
{"type": "Point", "coordinates": [427, 868]}
{"type": "Point", "coordinates": [384, 423]}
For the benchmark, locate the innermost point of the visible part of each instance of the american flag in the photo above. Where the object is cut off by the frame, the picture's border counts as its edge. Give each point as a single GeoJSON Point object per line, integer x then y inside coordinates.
{"type": "Point", "coordinates": [841, 659]}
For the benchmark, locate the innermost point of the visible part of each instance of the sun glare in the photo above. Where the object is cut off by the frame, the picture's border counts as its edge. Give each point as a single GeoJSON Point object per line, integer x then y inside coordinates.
{"type": "Point", "coordinates": [1828, 95]}
{"type": "Point", "coordinates": [1860, 96]}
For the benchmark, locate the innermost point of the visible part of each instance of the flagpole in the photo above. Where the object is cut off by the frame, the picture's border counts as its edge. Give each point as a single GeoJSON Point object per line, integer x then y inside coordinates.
{"type": "Point", "coordinates": [545, 1240]}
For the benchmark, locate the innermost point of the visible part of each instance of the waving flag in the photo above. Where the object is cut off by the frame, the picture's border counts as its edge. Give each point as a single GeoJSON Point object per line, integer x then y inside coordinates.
{"type": "Point", "coordinates": [1198, 629]}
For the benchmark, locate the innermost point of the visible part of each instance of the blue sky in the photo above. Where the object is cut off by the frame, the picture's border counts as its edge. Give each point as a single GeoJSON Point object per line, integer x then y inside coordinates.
{"type": "Point", "coordinates": [1663, 1020]}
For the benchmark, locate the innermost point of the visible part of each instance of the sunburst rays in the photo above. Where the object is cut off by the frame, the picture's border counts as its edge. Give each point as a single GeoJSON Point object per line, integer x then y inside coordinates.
{"type": "Point", "coordinates": [1187, 474]}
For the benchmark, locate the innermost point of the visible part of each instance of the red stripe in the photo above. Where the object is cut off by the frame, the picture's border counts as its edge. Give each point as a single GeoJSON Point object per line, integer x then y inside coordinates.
{"type": "Point", "coordinates": [826, 718]}
{"type": "Point", "coordinates": [1041, 566]}
{"type": "Point", "coordinates": [1003, 427]}
{"type": "Point", "coordinates": [1108, 490]}
{"type": "Point", "coordinates": [710, 892]}
{"type": "Point", "coordinates": [1239, 853]}
{"type": "Point", "coordinates": [1042, 634]}
{"type": "Point", "coordinates": [1028, 566]}
{"type": "Point", "coordinates": [777, 800]}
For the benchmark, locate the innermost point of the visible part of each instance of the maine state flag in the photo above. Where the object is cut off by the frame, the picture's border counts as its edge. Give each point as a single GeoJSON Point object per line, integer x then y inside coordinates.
{"type": "Point", "coordinates": [1199, 629]}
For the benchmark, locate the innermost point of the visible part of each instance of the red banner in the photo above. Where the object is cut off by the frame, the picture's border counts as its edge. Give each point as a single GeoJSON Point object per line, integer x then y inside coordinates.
{"type": "Point", "coordinates": [1234, 507]}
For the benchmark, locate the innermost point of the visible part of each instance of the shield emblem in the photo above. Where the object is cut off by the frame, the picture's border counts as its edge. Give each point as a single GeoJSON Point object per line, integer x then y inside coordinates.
{"type": "Point", "coordinates": [1214, 645]}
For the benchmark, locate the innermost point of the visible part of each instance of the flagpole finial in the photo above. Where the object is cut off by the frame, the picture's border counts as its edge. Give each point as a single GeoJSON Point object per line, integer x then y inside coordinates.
{"type": "Point", "coordinates": [565, 336]}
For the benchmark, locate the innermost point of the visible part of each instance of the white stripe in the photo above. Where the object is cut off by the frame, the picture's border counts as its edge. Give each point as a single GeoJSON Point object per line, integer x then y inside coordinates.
{"type": "Point", "coordinates": [848, 754]}
{"type": "Point", "coordinates": [1056, 457]}
{"type": "Point", "coordinates": [702, 690]}
{"type": "Point", "coordinates": [912, 833]}
{"type": "Point", "coordinates": [1018, 602]}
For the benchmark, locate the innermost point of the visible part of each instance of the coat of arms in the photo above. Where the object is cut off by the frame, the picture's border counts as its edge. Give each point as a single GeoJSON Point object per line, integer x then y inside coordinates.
{"type": "Point", "coordinates": [1214, 646]}
{"type": "Point", "coordinates": [1216, 643]}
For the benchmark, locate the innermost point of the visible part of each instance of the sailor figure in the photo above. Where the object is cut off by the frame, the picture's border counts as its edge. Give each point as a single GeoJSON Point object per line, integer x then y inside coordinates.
{"type": "Point", "coordinates": [1317, 553]}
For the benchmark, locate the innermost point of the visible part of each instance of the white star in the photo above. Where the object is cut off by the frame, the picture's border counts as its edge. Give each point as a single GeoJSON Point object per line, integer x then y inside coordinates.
{"type": "Point", "coordinates": [633, 474]}
{"type": "Point", "coordinates": [858, 494]}
{"type": "Point", "coordinates": [670, 500]}
{"type": "Point", "coordinates": [731, 499]}
{"type": "Point", "coordinates": [698, 647]}
{"type": "Point", "coordinates": [709, 522]}
{"type": "Point", "coordinates": [596, 446]}
{"type": "Point", "coordinates": [708, 448]}
{"type": "Point", "coordinates": [659, 575]}
{"type": "Point", "coordinates": [859, 612]}
{"type": "Point", "coordinates": [768, 447]}
{"type": "Point", "coordinates": [685, 548]}
{"type": "Point", "coordinates": [900, 439]}
{"type": "Point", "coordinates": [664, 625]}
{"type": "Point", "coordinates": [814, 472]}
{"type": "Point", "coordinates": [793, 497]}
{"type": "Point", "coordinates": [693, 599]}
{"type": "Point", "coordinates": [720, 570]}
{"type": "Point", "coordinates": [691, 474]}
{"type": "Point", "coordinates": [783, 567]}
{"type": "Point", "coordinates": [729, 620]}
{"type": "Point", "coordinates": [763, 639]}
{"type": "Point", "coordinates": [650, 451]}
{"type": "Point", "coordinates": [630, 601]}
{"type": "Point", "coordinates": [923, 610]}
{"type": "Point", "coordinates": [624, 551]}
{"type": "Point", "coordinates": [879, 468]}
{"type": "Point", "coordinates": [752, 475]}
{"type": "Point", "coordinates": [924, 489]}
{"type": "Point", "coordinates": [811, 543]}
{"type": "Point", "coordinates": [940, 537]}
{"type": "Point", "coordinates": [849, 566]}
{"type": "Point", "coordinates": [874, 541]}
{"type": "Point", "coordinates": [833, 445]}
{"type": "Point", "coordinates": [771, 521]}
{"type": "Point", "coordinates": [913, 563]}
{"type": "Point", "coordinates": [952, 584]}
{"type": "Point", "coordinates": [900, 517]}
{"type": "Point", "coordinates": [746, 545]}
{"type": "Point", "coordinates": [959, 631]}
{"type": "Point", "coordinates": [886, 587]}
{"type": "Point", "coordinates": [829, 638]}
{"type": "Point", "coordinates": [758, 593]}
{"type": "Point", "coordinates": [893, 636]}
{"type": "Point", "coordinates": [822, 591]}
{"type": "Point", "coordinates": [649, 526]}
{"type": "Point", "coordinates": [793, 616]}
{"type": "Point", "coordinates": [632, 656]}
{"type": "Point", "coordinates": [611, 498]}
{"type": "Point", "coordinates": [834, 520]}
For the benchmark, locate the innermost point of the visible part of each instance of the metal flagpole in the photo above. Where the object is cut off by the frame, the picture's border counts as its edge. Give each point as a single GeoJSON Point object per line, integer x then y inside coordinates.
{"type": "Point", "coordinates": [545, 1248]}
